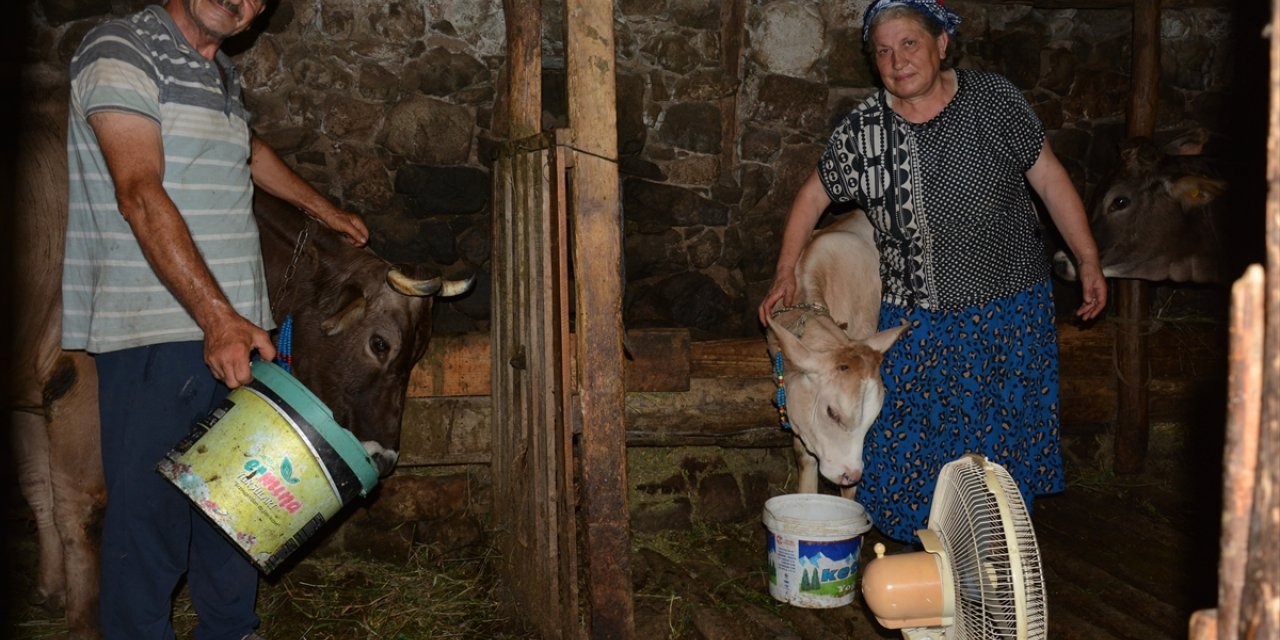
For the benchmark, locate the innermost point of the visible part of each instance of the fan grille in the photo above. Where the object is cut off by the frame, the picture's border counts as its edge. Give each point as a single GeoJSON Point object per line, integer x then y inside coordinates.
{"type": "Point", "coordinates": [992, 548]}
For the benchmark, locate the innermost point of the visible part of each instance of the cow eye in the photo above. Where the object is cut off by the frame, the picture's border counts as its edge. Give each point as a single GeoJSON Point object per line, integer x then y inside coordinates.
{"type": "Point", "coordinates": [379, 346]}
{"type": "Point", "coordinates": [843, 367]}
{"type": "Point", "coordinates": [831, 413]}
{"type": "Point", "coordinates": [1119, 203]}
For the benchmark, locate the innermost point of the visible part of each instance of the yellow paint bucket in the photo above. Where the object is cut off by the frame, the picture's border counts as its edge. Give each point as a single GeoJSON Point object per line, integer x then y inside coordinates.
{"type": "Point", "coordinates": [270, 466]}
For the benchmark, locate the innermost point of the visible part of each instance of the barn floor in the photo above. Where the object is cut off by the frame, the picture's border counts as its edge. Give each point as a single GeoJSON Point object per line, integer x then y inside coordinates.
{"type": "Point", "coordinates": [1128, 557]}
{"type": "Point", "coordinates": [1124, 557]}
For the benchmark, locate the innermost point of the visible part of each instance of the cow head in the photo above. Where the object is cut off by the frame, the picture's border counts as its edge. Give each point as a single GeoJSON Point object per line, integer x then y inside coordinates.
{"type": "Point", "coordinates": [1156, 217]}
{"type": "Point", "coordinates": [833, 391]}
{"type": "Point", "coordinates": [360, 323]}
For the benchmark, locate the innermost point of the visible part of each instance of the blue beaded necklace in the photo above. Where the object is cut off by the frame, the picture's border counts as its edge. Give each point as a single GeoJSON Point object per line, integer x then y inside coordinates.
{"type": "Point", "coordinates": [284, 345]}
{"type": "Point", "coordinates": [780, 399]}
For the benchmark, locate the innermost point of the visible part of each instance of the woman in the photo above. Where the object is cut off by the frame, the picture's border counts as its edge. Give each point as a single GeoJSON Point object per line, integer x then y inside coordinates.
{"type": "Point", "coordinates": [940, 160]}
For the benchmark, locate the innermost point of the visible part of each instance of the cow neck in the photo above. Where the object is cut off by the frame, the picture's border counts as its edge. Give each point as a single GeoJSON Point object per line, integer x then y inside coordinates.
{"type": "Point", "coordinates": [798, 315]}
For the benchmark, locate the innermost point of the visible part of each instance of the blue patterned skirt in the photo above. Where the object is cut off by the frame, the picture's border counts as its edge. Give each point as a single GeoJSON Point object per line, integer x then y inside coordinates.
{"type": "Point", "coordinates": [983, 379]}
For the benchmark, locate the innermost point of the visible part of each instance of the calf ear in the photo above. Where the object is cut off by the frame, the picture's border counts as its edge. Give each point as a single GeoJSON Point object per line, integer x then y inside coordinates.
{"type": "Point", "coordinates": [884, 339]}
{"type": "Point", "coordinates": [346, 318]}
{"type": "Point", "coordinates": [796, 353]}
{"type": "Point", "coordinates": [1197, 191]}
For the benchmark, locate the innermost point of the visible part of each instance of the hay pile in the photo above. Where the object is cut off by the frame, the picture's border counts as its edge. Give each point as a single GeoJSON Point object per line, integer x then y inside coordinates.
{"type": "Point", "coordinates": [341, 597]}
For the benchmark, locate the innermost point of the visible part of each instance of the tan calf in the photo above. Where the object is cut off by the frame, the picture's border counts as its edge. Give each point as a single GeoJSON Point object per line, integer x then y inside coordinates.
{"type": "Point", "coordinates": [832, 352]}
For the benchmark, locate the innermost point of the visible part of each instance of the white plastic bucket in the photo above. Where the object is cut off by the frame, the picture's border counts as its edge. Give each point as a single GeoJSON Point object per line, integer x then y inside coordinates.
{"type": "Point", "coordinates": [813, 546]}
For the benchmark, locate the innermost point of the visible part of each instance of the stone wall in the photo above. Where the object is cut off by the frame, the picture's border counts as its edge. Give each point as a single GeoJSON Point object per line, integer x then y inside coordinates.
{"type": "Point", "coordinates": [389, 107]}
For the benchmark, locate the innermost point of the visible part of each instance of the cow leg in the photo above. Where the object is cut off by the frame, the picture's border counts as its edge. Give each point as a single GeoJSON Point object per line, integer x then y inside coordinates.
{"type": "Point", "coordinates": [79, 492]}
{"type": "Point", "coordinates": [31, 451]}
{"type": "Point", "coordinates": [806, 468]}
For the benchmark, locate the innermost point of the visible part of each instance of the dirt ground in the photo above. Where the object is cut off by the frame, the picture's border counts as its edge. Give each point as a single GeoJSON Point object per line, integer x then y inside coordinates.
{"type": "Point", "coordinates": [1127, 557]}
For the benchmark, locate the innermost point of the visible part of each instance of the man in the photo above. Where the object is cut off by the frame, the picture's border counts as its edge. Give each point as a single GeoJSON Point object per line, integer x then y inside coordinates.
{"type": "Point", "coordinates": [163, 282]}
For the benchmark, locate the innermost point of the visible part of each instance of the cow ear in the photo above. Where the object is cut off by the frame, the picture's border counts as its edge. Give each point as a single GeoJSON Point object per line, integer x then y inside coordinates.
{"type": "Point", "coordinates": [1190, 143]}
{"type": "Point", "coordinates": [346, 318]}
{"type": "Point", "coordinates": [796, 353]}
{"type": "Point", "coordinates": [1197, 191]}
{"type": "Point", "coordinates": [883, 340]}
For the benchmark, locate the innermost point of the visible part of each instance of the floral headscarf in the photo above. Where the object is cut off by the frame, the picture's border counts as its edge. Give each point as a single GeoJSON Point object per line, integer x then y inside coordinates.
{"type": "Point", "coordinates": [931, 9]}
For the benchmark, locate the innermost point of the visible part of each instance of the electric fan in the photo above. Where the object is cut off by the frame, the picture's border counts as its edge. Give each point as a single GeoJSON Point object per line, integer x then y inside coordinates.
{"type": "Point", "coordinates": [979, 574]}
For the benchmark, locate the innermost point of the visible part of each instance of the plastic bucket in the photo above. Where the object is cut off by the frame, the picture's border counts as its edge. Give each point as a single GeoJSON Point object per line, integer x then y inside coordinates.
{"type": "Point", "coordinates": [813, 546]}
{"type": "Point", "coordinates": [270, 466]}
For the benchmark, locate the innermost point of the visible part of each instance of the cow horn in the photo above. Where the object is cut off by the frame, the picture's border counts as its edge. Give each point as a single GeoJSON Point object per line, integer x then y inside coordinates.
{"type": "Point", "coordinates": [457, 287]}
{"type": "Point", "coordinates": [412, 286]}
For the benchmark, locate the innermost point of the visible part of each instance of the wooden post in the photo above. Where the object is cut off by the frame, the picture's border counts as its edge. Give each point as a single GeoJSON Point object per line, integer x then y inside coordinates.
{"type": "Point", "coordinates": [597, 252]}
{"type": "Point", "coordinates": [1133, 297]}
{"type": "Point", "coordinates": [1240, 451]}
{"type": "Point", "coordinates": [733, 18]}
{"type": "Point", "coordinates": [523, 93]}
{"type": "Point", "coordinates": [1260, 602]}
{"type": "Point", "coordinates": [1249, 569]}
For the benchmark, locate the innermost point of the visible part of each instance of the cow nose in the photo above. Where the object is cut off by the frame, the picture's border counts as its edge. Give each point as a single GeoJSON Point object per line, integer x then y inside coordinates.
{"type": "Point", "coordinates": [850, 478]}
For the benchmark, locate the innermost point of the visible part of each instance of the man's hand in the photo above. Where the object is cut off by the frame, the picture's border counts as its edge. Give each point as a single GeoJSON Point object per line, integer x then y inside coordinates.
{"type": "Point", "coordinates": [228, 345]}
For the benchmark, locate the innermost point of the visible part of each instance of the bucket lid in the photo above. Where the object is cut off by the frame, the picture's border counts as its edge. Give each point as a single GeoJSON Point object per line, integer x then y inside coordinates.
{"type": "Point", "coordinates": [805, 511]}
{"type": "Point", "coordinates": [300, 399]}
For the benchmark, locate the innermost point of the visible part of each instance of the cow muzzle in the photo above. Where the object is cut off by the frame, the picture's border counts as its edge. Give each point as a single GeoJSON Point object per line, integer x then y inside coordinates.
{"type": "Point", "coordinates": [384, 459]}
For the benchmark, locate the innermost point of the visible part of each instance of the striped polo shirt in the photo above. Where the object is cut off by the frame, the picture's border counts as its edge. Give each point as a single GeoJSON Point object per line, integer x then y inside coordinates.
{"type": "Point", "coordinates": [142, 64]}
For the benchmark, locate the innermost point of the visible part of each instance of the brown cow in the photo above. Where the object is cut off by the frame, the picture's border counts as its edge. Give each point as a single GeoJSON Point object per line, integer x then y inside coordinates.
{"type": "Point", "coordinates": [1157, 216]}
{"type": "Point", "coordinates": [360, 324]}
{"type": "Point", "coordinates": [832, 352]}
{"type": "Point", "coordinates": [54, 399]}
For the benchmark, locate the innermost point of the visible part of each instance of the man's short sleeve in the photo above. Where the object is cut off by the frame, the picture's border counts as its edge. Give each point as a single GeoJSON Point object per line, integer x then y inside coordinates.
{"type": "Point", "coordinates": [113, 71]}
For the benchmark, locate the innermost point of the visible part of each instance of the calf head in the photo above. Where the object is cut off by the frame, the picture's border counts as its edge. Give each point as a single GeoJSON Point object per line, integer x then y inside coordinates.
{"type": "Point", "coordinates": [360, 323]}
{"type": "Point", "coordinates": [1157, 217]}
{"type": "Point", "coordinates": [833, 391]}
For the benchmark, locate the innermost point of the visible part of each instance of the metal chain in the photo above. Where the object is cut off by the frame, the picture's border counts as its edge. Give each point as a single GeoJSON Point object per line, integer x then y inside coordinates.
{"type": "Point", "coordinates": [298, 245]}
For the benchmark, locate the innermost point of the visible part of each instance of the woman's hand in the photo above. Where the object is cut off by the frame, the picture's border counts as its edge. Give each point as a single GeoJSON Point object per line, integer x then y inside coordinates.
{"type": "Point", "coordinates": [1093, 286]}
{"type": "Point", "coordinates": [783, 289]}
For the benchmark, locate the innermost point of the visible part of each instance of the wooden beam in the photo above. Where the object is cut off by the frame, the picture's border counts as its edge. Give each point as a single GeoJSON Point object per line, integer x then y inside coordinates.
{"type": "Point", "coordinates": [1133, 297]}
{"type": "Point", "coordinates": [657, 360]}
{"type": "Point", "coordinates": [1098, 4]}
{"type": "Point", "coordinates": [523, 94]}
{"type": "Point", "coordinates": [1260, 604]}
{"type": "Point", "coordinates": [597, 261]}
{"type": "Point", "coordinates": [728, 398]}
{"type": "Point", "coordinates": [733, 19]}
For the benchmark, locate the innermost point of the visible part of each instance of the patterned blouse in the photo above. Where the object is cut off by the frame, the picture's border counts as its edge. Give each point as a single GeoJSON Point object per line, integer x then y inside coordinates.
{"type": "Point", "coordinates": [953, 215]}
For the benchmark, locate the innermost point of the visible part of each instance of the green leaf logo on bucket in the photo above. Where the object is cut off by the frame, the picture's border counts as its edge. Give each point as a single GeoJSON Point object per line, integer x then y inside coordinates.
{"type": "Point", "coordinates": [270, 466]}
{"type": "Point", "coordinates": [813, 546]}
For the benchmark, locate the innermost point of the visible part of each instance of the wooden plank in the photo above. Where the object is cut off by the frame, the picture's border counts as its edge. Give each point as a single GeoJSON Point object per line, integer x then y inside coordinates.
{"type": "Point", "coordinates": [664, 365]}
{"type": "Point", "coordinates": [597, 260]}
{"type": "Point", "coordinates": [567, 503]}
{"type": "Point", "coordinates": [532, 496]}
{"type": "Point", "coordinates": [455, 365]}
{"type": "Point", "coordinates": [736, 358]}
